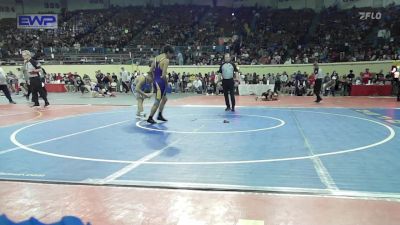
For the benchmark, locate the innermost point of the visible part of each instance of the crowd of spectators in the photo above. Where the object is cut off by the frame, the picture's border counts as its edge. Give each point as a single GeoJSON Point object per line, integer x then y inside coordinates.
{"type": "Point", "coordinates": [298, 83]}
{"type": "Point", "coordinates": [255, 35]}
{"type": "Point", "coordinates": [107, 28]}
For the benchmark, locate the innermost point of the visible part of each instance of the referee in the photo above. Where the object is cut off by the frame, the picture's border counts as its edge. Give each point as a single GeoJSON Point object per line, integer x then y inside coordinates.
{"type": "Point", "coordinates": [33, 69]}
{"type": "Point", "coordinates": [228, 70]}
{"type": "Point", "coordinates": [398, 88]}
{"type": "Point", "coordinates": [396, 75]}
{"type": "Point", "coordinates": [318, 82]}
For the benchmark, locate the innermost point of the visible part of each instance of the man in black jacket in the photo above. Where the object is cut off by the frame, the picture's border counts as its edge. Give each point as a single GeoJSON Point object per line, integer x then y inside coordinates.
{"type": "Point", "coordinates": [318, 82]}
{"type": "Point", "coordinates": [396, 76]}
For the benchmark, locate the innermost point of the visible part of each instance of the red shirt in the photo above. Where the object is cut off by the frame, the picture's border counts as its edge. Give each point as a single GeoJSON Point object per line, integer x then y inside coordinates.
{"type": "Point", "coordinates": [212, 78]}
{"type": "Point", "coordinates": [70, 76]}
{"type": "Point", "coordinates": [365, 77]}
{"type": "Point", "coordinates": [311, 79]}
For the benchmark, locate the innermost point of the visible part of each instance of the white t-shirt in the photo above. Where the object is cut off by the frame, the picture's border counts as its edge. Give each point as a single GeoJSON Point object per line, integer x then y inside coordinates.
{"type": "Point", "coordinates": [92, 85]}
{"type": "Point", "coordinates": [197, 83]}
{"type": "Point", "coordinates": [124, 76]}
{"type": "Point", "coordinates": [318, 73]}
{"type": "Point", "coordinates": [29, 68]}
{"type": "Point", "coordinates": [3, 79]}
{"type": "Point", "coordinates": [284, 78]}
{"type": "Point", "coordinates": [216, 79]}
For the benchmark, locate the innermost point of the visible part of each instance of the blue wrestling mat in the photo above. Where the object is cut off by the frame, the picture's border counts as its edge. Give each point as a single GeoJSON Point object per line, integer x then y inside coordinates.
{"type": "Point", "coordinates": [335, 151]}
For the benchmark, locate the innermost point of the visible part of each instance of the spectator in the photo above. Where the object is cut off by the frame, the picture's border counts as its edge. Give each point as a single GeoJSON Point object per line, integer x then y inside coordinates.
{"type": "Point", "coordinates": [278, 83]}
{"type": "Point", "coordinates": [198, 85]}
{"type": "Point", "coordinates": [124, 80]}
{"type": "Point", "coordinates": [380, 78]}
{"type": "Point", "coordinates": [366, 76]}
{"type": "Point", "coordinates": [3, 86]}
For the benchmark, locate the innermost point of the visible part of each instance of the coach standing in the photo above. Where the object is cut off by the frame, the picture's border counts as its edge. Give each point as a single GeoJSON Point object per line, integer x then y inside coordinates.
{"type": "Point", "coordinates": [33, 69]}
{"type": "Point", "coordinates": [396, 78]}
{"type": "Point", "coordinates": [228, 70]}
{"type": "Point", "coordinates": [318, 82]}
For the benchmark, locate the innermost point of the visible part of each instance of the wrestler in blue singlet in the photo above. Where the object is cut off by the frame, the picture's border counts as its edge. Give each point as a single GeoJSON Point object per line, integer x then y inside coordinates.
{"type": "Point", "coordinates": [159, 82]}
{"type": "Point", "coordinates": [158, 69]}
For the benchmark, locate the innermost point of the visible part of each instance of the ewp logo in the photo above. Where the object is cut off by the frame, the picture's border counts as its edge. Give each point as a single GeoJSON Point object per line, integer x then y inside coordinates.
{"type": "Point", "coordinates": [370, 15]}
{"type": "Point", "coordinates": [47, 21]}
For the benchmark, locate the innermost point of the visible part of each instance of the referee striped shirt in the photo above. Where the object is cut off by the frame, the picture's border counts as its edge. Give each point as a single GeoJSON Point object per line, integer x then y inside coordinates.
{"type": "Point", "coordinates": [228, 70]}
{"type": "Point", "coordinates": [318, 73]}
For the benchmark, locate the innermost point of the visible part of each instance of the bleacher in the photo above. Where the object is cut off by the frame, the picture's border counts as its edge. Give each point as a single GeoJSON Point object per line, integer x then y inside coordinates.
{"type": "Point", "coordinates": [200, 33]}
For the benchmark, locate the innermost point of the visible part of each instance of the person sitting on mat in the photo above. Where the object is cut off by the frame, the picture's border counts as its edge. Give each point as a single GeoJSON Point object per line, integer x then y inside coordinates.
{"type": "Point", "coordinates": [99, 91]}
{"type": "Point", "coordinates": [96, 90]}
{"type": "Point", "coordinates": [268, 96]}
